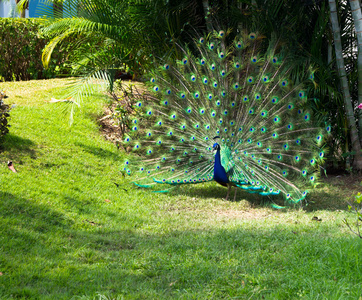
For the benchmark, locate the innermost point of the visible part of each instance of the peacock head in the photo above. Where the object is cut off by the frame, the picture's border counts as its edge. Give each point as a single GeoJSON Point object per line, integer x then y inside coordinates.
{"type": "Point", "coordinates": [216, 146]}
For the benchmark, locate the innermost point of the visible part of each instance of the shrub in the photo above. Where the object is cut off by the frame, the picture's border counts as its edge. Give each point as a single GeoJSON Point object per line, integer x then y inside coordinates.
{"type": "Point", "coordinates": [4, 116]}
{"type": "Point", "coordinates": [21, 49]}
{"type": "Point", "coordinates": [357, 208]}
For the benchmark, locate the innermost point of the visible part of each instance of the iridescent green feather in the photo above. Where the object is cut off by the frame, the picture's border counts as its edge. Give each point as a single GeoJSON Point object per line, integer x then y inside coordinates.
{"type": "Point", "coordinates": [269, 143]}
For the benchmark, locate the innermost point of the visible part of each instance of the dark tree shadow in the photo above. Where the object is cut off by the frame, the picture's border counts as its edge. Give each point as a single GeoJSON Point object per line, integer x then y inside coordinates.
{"type": "Point", "coordinates": [98, 151]}
{"type": "Point", "coordinates": [18, 146]}
{"type": "Point", "coordinates": [120, 260]}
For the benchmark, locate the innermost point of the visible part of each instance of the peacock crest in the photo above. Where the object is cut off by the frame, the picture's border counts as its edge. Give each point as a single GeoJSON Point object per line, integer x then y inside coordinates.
{"type": "Point", "coordinates": [227, 111]}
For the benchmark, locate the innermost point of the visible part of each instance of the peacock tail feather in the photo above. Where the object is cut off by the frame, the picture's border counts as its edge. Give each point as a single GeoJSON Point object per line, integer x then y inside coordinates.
{"type": "Point", "coordinates": [238, 98]}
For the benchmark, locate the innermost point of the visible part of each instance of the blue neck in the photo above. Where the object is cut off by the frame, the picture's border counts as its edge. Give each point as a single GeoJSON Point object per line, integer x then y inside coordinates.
{"type": "Point", "coordinates": [219, 171]}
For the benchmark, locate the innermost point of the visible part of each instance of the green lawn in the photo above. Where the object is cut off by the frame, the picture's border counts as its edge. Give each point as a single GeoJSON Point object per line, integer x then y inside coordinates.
{"type": "Point", "coordinates": [68, 232]}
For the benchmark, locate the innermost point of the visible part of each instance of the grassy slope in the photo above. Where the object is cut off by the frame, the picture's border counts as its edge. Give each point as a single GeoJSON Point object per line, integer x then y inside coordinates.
{"type": "Point", "coordinates": [67, 230]}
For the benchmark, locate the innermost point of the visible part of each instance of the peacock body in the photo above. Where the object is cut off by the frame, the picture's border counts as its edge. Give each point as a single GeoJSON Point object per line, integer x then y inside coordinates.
{"type": "Point", "coordinates": [229, 114]}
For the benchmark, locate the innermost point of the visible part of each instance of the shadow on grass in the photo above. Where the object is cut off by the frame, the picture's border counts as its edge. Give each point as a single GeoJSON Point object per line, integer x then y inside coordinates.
{"type": "Point", "coordinates": [45, 254]}
{"type": "Point", "coordinates": [330, 196]}
{"type": "Point", "coordinates": [215, 190]}
{"type": "Point", "coordinates": [100, 152]}
{"type": "Point", "coordinates": [18, 146]}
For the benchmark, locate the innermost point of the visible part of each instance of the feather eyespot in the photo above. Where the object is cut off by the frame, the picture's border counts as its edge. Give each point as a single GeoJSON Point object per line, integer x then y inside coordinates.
{"type": "Point", "coordinates": [284, 83]}
{"type": "Point", "coordinates": [250, 79]}
{"type": "Point", "coordinates": [252, 36]}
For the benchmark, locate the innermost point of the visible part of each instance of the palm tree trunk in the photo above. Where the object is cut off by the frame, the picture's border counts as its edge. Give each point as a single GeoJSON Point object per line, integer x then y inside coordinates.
{"type": "Point", "coordinates": [357, 20]}
{"type": "Point", "coordinates": [356, 146]}
{"type": "Point", "coordinates": [22, 12]}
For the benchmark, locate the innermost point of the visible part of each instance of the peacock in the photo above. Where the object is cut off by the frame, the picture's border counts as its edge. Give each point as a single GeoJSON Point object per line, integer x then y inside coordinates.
{"type": "Point", "coordinates": [227, 111]}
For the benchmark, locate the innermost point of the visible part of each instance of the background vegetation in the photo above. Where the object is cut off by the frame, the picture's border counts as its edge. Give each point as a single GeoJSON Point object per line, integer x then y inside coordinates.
{"type": "Point", "coordinates": [131, 36]}
{"type": "Point", "coordinates": [21, 50]}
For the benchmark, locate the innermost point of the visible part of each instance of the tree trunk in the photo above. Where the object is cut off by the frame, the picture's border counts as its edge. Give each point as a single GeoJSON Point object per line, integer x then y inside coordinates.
{"type": "Point", "coordinates": [356, 146]}
{"type": "Point", "coordinates": [22, 12]}
{"type": "Point", "coordinates": [357, 20]}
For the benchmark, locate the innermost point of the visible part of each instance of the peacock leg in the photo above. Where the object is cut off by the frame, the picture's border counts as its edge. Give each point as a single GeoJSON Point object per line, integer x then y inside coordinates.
{"type": "Point", "coordinates": [229, 188]}
{"type": "Point", "coordinates": [236, 189]}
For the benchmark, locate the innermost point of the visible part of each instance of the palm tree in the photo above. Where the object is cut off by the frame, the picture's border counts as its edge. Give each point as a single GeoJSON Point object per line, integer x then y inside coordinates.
{"type": "Point", "coordinates": [357, 21]}
{"type": "Point", "coordinates": [356, 146]}
{"type": "Point", "coordinates": [22, 6]}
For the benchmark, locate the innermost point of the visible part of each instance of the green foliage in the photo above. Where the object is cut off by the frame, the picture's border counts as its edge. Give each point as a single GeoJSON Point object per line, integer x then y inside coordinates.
{"type": "Point", "coordinates": [4, 116]}
{"type": "Point", "coordinates": [21, 49]}
{"type": "Point", "coordinates": [112, 36]}
{"type": "Point", "coordinates": [356, 207]}
{"type": "Point", "coordinates": [123, 105]}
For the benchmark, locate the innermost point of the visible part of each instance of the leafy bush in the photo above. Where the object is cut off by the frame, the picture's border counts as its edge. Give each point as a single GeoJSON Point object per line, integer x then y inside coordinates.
{"type": "Point", "coordinates": [123, 107]}
{"type": "Point", "coordinates": [4, 116]}
{"type": "Point", "coordinates": [357, 208]}
{"type": "Point", "coordinates": [21, 50]}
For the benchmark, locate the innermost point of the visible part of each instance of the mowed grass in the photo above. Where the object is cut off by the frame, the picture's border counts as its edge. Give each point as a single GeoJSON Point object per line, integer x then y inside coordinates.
{"type": "Point", "coordinates": [67, 231]}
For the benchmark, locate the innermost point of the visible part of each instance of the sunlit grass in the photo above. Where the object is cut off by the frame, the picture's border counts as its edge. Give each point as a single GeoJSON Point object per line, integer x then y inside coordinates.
{"type": "Point", "coordinates": [68, 231]}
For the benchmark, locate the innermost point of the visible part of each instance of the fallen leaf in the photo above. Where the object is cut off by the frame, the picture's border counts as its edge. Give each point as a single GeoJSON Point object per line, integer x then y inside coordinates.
{"type": "Point", "coordinates": [106, 200]}
{"type": "Point", "coordinates": [69, 99]}
{"type": "Point", "coordinates": [11, 166]}
{"type": "Point", "coordinates": [172, 283]}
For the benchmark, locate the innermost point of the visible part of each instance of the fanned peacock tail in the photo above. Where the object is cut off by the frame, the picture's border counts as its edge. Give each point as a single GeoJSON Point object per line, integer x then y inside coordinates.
{"type": "Point", "coordinates": [238, 98]}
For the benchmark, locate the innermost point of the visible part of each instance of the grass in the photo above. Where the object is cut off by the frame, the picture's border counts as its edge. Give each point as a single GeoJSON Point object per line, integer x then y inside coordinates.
{"type": "Point", "coordinates": [68, 232]}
